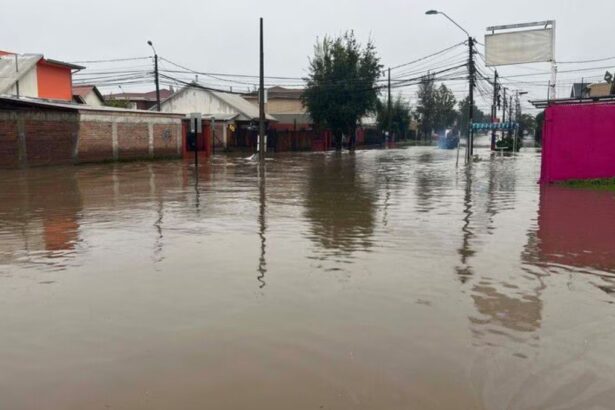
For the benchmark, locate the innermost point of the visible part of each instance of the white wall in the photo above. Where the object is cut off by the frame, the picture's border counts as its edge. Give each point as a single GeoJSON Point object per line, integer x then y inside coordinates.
{"type": "Point", "coordinates": [28, 85]}
{"type": "Point", "coordinates": [92, 99]}
{"type": "Point", "coordinates": [196, 100]}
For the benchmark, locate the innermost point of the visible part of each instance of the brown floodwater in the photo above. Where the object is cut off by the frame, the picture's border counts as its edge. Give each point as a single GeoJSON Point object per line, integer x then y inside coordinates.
{"type": "Point", "coordinates": [375, 280]}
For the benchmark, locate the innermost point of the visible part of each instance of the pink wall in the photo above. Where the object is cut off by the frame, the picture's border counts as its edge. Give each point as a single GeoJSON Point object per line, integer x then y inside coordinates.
{"type": "Point", "coordinates": [578, 142]}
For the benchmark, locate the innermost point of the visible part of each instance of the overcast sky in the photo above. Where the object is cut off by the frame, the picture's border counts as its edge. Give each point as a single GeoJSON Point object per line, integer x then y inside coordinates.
{"type": "Point", "coordinates": [222, 36]}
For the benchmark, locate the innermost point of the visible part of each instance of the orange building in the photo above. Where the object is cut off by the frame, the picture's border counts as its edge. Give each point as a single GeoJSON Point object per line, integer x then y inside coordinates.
{"type": "Point", "coordinates": [33, 75]}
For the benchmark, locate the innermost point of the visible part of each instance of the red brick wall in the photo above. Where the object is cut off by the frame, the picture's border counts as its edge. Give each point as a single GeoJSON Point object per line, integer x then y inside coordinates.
{"type": "Point", "coordinates": [95, 141]}
{"type": "Point", "coordinates": [49, 138]}
{"type": "Point", "coordinates": [8, 142]}
{"type": "Point", "coordinates": [133, 140]}
{"type": "Point", "coordinates": [165, 140]}
{"type": "Point", "coordinates": [54, 137]}
{"type": "Point", "coordinates": [51, 141]}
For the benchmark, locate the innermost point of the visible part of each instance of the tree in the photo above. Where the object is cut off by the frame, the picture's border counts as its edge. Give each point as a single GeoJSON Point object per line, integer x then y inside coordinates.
{"type": "Point", "coordinates": [540, 119]}
{"type": "Point", "coordinates": [399, 120]}
{"type": "Point", "coordinates": [342, 85]}
{"type": "Point", "coordinates": [464, 115]}
{"type": "Point", "coordinates": [527, 122]}
{"type": "Point", "coordinates": [445, 101]}
{"type": "Point", "coordinates": [426, 109]}
{"type": "Point", "coordinates": [436, 106]}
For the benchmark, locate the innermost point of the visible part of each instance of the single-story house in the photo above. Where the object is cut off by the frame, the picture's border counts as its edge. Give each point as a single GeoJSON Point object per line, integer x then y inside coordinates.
{"type": "Point", "coordinates": [33, 75]}
{"type": "Point", "coordinates": [88, 94]}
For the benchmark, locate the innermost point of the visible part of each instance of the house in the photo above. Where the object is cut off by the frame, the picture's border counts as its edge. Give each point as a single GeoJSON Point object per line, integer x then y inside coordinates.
{"type": "Point", "coordinates": [600, 90]}
{"type": "Point", "coordinates": [579, 90]}
{"type": "Point", "coordinates": [88, 94]}
{"type": "Point", "coordinates": [141, 101]}
{"type": "Point", "coordinates": [234, 120]}
{"type": "Point", "coordinates": [33, 75]}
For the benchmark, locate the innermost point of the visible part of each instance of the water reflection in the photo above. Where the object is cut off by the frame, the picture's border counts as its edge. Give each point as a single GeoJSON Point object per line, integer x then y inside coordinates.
{"type": "Point", "coordinates": [575, 234]}
{"type": "Point", "coordinates": [262, 223]}
{"type": "Point", "coordinates": [464, 272]}
{"type": "Point", "coordinates": [340, 205]}
{"type": "Point", "coordinates": [39, 217]}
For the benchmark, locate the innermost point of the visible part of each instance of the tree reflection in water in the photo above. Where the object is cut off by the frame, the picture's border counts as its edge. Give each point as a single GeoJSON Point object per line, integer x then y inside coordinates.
{"type": "Point", "coordinates": [340, 205]}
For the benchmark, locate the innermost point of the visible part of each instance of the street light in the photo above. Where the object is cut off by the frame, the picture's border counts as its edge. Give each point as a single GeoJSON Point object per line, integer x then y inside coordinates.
{"type": "Point", "coordinates": [156, 74]}
{"type": "Point", "coordinates": [471, 69]}
{"type": "Point", "coordinates": [434, 12]}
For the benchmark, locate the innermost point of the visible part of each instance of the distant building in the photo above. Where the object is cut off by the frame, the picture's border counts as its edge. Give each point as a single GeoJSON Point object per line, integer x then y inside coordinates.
{"type": "Point", "coordinates": [234, 120]}
{"type": "Point", "coordinates": [600, 90]}
{"type": "Point", "coordinates": [88, 94]}
{"type": "Point", "coordinates": [141, 101]}
{"type": "Point", "coordinates": [286, 106]}
{"type": "Point", "coordinates": [34, 76]}
{"type": "Point", "coordinates": [580, 90]}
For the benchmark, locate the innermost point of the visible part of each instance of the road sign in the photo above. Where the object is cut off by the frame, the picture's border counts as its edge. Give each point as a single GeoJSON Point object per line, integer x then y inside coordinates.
{"type": "Point", "coordinates": [196, 122]}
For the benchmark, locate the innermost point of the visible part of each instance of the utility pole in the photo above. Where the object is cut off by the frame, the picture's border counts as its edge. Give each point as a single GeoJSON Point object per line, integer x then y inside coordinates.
{"type": "Point", "coordinates": [504, 107]}
{"type": "Point", "coordinates": [389, 104]}
{"type": "Point", "coordinates": [156, 75]}
{"type": "Point", "coordinates": [17, 71]}
{"type": "Point", "coordinates": [472, 70]}
{"type": "Point", "coordinates": [510, 114]}
{"type": "Point", "coordinates": [261, 101]}
{"type": "Point", "coordinates": [494, 109]}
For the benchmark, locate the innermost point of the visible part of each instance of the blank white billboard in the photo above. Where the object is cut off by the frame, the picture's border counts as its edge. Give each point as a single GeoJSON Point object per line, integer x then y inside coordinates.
{"type": "Point", "coordinates": [519, 47]}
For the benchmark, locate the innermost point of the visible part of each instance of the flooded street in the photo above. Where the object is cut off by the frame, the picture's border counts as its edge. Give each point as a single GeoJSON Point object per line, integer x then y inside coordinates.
{"type": "Point", "coordinates": [375, 280]}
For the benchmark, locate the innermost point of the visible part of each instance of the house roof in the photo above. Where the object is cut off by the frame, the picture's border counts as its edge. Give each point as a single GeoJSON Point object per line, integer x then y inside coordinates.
{"type": "Point", "coordinates": [25, 62]}
{"type": "Point", "coordinates": [147, 96]}
{"type": "Point", "coordinates": [246, 111]}
{"type": "Point", "coordinates": [27, 102]}
{"type": "Point", "coordinates": [578, 89]}
{"type": "Point", "coordinates": [278, 92]}
{"type": "Point", "coordinates": [600, 90]}
{"type": "Point", "coordinates": [82, 91]}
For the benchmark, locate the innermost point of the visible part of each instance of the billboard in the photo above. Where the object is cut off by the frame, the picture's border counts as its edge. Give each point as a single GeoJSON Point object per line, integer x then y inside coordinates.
{"type": "Point", "coordinates": [519, 47]}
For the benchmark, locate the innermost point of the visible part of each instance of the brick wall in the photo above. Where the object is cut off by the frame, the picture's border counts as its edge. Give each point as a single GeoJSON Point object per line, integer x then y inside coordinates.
{"type": "Point", "coordinates": [95, 141]}
{"type": "Point", "coordinates": [48, 137]}
{"type": "Point", "coordinates": [9, 157]}
{"type": "Point", "coordinates": [37, 138]}
{"type": "Point", "coordinates": [133, 140]}
{"type": "Point", "coordinates": [126, 136]}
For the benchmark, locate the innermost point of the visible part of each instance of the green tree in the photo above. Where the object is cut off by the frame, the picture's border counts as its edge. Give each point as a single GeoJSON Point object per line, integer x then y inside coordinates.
{"type": "Point", "coordinates": [342, 85]}
{"type": "Point", "coordinates": [540, 119]}
{"type": "Point", "coordinates": [464, 115]}
{"type": "Point", "coordinates": [398, 122]}
{"type": "Point", "coordinates": [445, 101]}
{"type": "Point", "coordinates": [426, 109]}
{"type": "Point", "coordinates": [527, 122]}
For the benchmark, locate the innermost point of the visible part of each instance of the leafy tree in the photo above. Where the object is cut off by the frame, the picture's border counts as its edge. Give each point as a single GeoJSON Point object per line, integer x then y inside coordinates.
{"type": "Point", "coordinates": [342, 85]}
{"type": "Point", "coordinates": [540, 119]}
{"type": "Point", "coordinates": [527, 122]}
{"type": "Point", "coordinates": [445, 101]}
{"type": "Point", "coordinates": [464, 115]}
{"type": "Point", "coordinates": [426, 109]}
{"type": "Point", "coordinates": [112, 102]}
{"type": "Point", "coordinates": [399, 120]}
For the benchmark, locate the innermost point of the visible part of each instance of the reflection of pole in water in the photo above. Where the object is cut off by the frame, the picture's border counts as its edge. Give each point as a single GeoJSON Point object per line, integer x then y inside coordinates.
{"type": "Point", "coordinates": [158, 245]}
{"type": "Point", "coordinates": [262, 263]}
{"type": "Point", "coordinates": [465, 251]}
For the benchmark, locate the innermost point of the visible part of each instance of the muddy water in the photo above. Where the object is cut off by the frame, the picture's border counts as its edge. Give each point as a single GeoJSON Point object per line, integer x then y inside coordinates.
{"type": "Point", "coordinates": [379, 280]}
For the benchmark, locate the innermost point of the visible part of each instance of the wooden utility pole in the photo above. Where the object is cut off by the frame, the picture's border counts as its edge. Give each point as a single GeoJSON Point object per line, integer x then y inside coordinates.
{"type": "Point", "coordinates": [494, 109]}
{"type": "Point", "coordinates": [389, 105]}
{"type": "Point", "coordinates": [261, 101]}
{"type": "Point", "coordinates": [472, 69]}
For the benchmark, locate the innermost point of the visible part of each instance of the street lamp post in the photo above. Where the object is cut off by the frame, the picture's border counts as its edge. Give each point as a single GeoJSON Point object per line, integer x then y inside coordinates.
{"type": "Point", "coordinates": [156, 75]}
{"type": "Point", "coordinates": [472, 78]}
